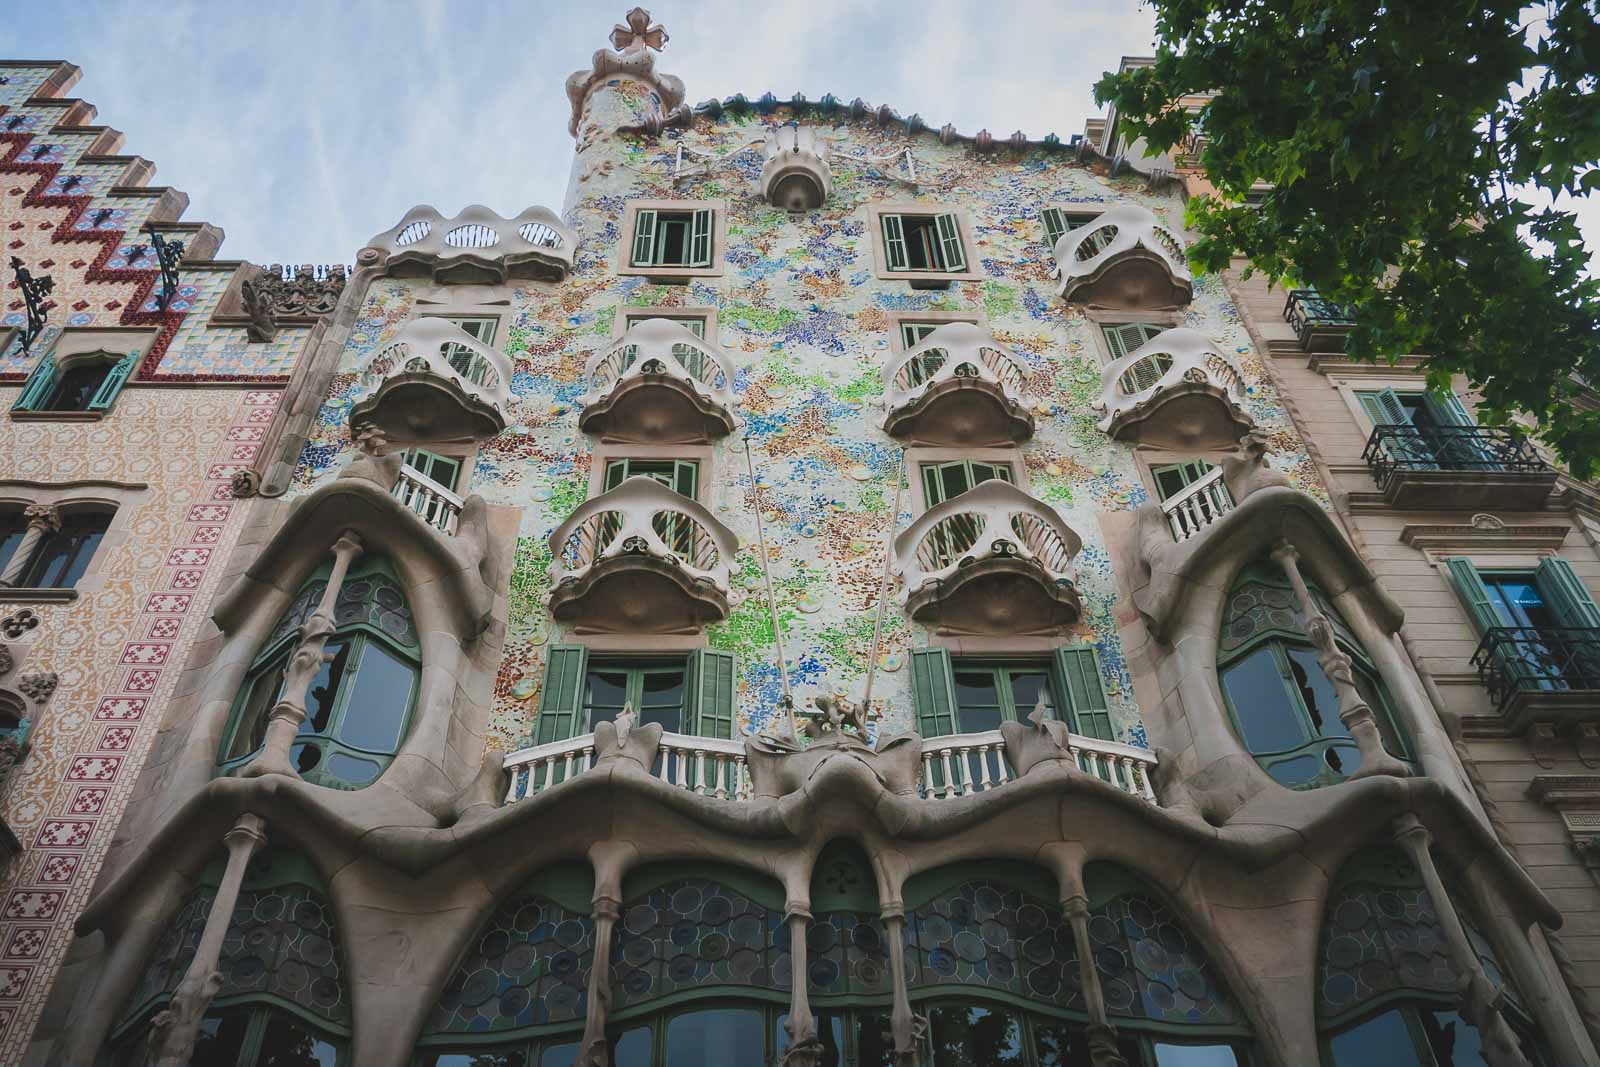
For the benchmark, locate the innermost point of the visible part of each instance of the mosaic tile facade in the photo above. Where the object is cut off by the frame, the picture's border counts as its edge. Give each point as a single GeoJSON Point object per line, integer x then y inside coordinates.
{"type": "Point", "coordinates": [808, 323]}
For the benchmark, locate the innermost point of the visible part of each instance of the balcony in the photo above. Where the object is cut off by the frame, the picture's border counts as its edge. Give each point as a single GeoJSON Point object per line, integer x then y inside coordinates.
{"type": "Point", "coordinates": [640, 559]}
{"type": "Point", "coordinates": [428, 500]}
{"type": "Point", "coordinates": [796, 176]}
{"type": "Point", "coordinates": [952, 767]}
{"type": "Point", "coordinates": [1175, 391]}
{"type": "Point", "coordinates": [1320, 324]}
{"type": "Point", "coordinates": [434, 382]}
{"type": "Point", "coordinates": [659, 383]}
{"type": "Point", "coordinates": [1124, 259]}
{"type": "Point", "coordinates": [1197, 506]}
{"type": "Point", "coordinates": [1457, 468]}
{"type": "Point", "coordinates": [1541, 674]}
{"type": "Point", "coordinates": [990, 561]}
{"type": "Point", "coordinates": [478, 246]}
{"type": "Point", "coordinates": [957, 387]}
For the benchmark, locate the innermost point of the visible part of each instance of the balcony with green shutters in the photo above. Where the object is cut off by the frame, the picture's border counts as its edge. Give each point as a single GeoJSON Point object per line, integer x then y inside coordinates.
{"type": "Point", "coordinates": [1175, 390]}
{"type": "Point", "coordinates": [1125, 258]}
{"type": "Point", "coordinates": [641, 558]}
{"type": "Point", "coordinates": [434, 381]}
{"type": "Point", "coordinates": [660, 383]}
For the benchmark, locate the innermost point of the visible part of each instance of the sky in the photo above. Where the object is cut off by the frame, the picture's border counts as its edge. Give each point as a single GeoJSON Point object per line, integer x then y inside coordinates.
{"type": "Point", "coordinates": [304, 129]}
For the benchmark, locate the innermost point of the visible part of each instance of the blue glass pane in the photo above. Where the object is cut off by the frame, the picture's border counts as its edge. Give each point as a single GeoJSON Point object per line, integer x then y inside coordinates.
{"type": "Point", "coordinates": [632, 1048]}
{"type": "Point", "coordinates": [380, 698]}
{"type": "Point", "coordinates": [559, 1055]}
{"type": "Point", "coordinates": [1261, 702]}
{"type": "Point", "coordinates": [719, 1037]}
{"type": "Point", "coordinates": [1454, 1041]}
{"type": "Point", "coordinates": [1296, 771]}
{"type": "Point", "coordinates": [1194, 1055]}
{"type": "Point", "coordinates": [1316, 689]}
{"type": "Point", "coordinates": [221, 1037]}
{"type": "Point", "coordinates": [352, 769]}
{"type": "Point", "coordinates": [1384, 1039]}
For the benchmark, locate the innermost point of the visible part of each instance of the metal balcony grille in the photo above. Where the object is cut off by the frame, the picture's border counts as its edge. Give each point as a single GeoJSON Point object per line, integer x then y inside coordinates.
{"type": "Point", "coordinates": [1393, 448]}
{"type": "Point", "coordinates": [1308, 312]}
{"type": "Point", "coordinates": [1525, 659]}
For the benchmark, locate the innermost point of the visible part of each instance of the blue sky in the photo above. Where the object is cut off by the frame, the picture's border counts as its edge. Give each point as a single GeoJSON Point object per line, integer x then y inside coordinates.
{"type": "Point", "coordinates": [303, 129]}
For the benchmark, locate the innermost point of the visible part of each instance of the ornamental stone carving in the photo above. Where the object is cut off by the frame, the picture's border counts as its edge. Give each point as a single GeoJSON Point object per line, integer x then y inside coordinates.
{"type": "Point", "coordinates": [1177, 390]}
{"type": "Point", "coordinates": [38, 686]}
{"type": "Point", "coordinates": [1124, 259]}
{"type": "Point", "coordinates": [796, 175]}
{"type": "Point", "coordinates": [478, 246]}
{"type": "Point", "coordinates": [956, 387]}
{"type": "Point", "coordinates": [631, 56]}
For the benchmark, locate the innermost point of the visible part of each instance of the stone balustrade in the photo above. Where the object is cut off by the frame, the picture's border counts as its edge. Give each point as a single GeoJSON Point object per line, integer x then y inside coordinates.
{"type": "Point", "coordinates": [432, 502]}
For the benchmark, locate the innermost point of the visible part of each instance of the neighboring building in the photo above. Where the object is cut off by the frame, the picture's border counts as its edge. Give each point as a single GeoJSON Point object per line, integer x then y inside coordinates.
{"type": "Point", "coordinates": [839, 592]}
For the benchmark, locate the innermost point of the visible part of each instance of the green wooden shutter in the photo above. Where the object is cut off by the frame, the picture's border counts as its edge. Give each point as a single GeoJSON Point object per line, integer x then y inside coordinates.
{"type": "Point", "coordinates": [1128, 336]}
{"type": "Point", "coordinates": [112, 385]}
{"type": "Point", "coordinates": [932, 484]}
{"type": "Point", "coordinates": [955, 257]}
{"type": "Point", "coordinates": [933, 692]}
{"type": "Point", "coordinates": [1391, 408]}
{"type": "Point", "coordinates": [1085, 694]}
{"type": "Point", "coordinates": [894, 243]}
{"type": "Point", "coordinates": [1473, 593]}
{"type": "Point", "coordinates": [1566, 594]}
{"type": "Point", "coordinates": [700, 239]}
{"type": "Point", "coordinates": [616, 473]}
{"type": "Point", "coordinates": [713, 707]}
{"type": "Point", "coordinates": [1055, 225]}
{"type": "Point", "coordinates": [686, 478]}
{"type": "Point", "coordinates": [644, 238]}
{"type": "Point", "coordinates": [36, 393]}
{"type": "Point", "coordinates": [561, 703]}
{"type": "Point", "coordinates": [1448, 409]}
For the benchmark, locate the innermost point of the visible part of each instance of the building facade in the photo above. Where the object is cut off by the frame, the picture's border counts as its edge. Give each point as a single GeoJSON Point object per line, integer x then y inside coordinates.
{"type": "Point", "coordinates": [836, 592]}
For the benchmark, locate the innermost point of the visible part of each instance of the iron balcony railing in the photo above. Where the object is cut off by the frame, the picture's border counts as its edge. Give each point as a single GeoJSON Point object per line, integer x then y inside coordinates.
{"type": "Point", "coordinates": [1513, 660]}
{"type": "Point", "coordinates": [1396, 448]}
{"type": "Point", "coordinates": [1307, 311]}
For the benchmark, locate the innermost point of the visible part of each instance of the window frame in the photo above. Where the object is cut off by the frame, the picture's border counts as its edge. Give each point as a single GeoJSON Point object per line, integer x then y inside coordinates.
{"type": "Point", "coordinates": [703, 456]}
{"type": "Point", "coordinates": [630, 315]}
{"type": "Point", "coordinates": [1002, 668]}
{"type": "Point", "coordinates": [636, 668]}
{"type": "Point", "coordinates": [1075, 218]}
{"type": "Point", "coordinates": [917, 456]}
{"type": "Point", "coordinates": [666, 274]}
{"type": "Point", "coordinates": [1100, 318]}
{"type": "Point", "coordinates": [924, 279]}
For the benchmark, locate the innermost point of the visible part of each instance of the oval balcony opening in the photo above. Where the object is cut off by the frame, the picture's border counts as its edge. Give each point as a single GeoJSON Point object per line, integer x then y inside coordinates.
{"type": "Point", "coordinates": [1124, 259]}
{"type": "Point", "coordinates": [434, 382]}
{"type": "Point", "coordinates": [659, 383]}
{"type": "Point", "coordinates": [640, 559]}
{"type": "Point", "coordinates": [991, 561]}
{"type": "Point", "coordinates": [957, 386]}
{"type": "Point", "coordinates": [1177, 391]}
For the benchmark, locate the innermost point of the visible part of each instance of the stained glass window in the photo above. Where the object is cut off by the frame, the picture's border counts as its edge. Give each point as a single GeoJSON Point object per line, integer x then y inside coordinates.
{"type": "Point", "coordinates": [528, 966]}
{"type": "Point", "coordinates": [1151, 968]}
{"type": "Point", "coordinates": [696, 933]}
{"type": "Point", "coordinates": [992, 935]}
{"type": "Point", "coordinates": [848, 953]}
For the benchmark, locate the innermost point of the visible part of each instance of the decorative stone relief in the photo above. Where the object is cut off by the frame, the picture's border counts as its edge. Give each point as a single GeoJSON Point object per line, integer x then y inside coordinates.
{"type": "Point", "coordinates": [796, 175]}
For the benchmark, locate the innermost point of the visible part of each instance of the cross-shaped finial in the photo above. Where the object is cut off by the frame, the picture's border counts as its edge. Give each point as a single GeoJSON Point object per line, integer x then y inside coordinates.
{"type": "Point", "coordinates": [638, 34]}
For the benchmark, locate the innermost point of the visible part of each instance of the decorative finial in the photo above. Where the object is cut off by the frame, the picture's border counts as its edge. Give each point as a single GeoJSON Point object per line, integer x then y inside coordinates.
{"type": "Point", "coordinates": [638, 34]}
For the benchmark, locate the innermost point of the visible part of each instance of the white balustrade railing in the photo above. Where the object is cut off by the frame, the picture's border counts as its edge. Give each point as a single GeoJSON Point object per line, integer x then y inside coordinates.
{"type": "Point", "coordinates": [642, 516]}
{"type": "Point", "coordinates": [664, 347]}
{"type": "Point", "coordinates": [993, 519]}
{"type": "Point", "coordinates": [954, 350]}
{"type": "Point", "coordinates": [1198, 505]}
{"type": "Point", "coordinates": [954, 766]}
{"type": "Point", "coordinates": [1152, 371]}
{"type": "Point", "coordinates": [432, 502]}
{"type": "Point", "coordinates": [962, 764]}
{"type": "Point", "coordinates": [709, 766]}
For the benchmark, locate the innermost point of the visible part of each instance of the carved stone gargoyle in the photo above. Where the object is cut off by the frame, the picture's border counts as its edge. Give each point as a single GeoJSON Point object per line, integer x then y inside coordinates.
{"type": "Point", "coordinates": [782, 765]}
{"type": "Point", "coordinates": [622, 740]}
{"type": "Point", "coordinates": [1245, 469]}
{"type": "Point", "coordinates": [1042, 739]}
{"type": "Point", "coordinates": [260, 304]}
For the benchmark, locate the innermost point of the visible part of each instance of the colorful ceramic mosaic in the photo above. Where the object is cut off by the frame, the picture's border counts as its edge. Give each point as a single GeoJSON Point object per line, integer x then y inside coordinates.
{"type": "Point", "coordinates": [220, 352]}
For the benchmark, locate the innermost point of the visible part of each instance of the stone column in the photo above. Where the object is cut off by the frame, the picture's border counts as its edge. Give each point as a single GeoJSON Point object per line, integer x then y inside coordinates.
{"type": "Point", "coordinates": [176, 1027]}
{"type": "Point", "coordinates": [1481, 998]}
{"type": "Point", "coordinates": [908, 1027]}
{"type": "Point", "coordinates": [592, 1049]}
{"type": "Point", "coordinates": [304, 664]}
{"type": "Point", "coordinates": [42, 520]}
{"type": "Point", "coordinates": [1354, 712]}
{"type": "Point", "coordinates": [1102, 1035]}
{"type": "Point", "coordinates": [805, 1048]}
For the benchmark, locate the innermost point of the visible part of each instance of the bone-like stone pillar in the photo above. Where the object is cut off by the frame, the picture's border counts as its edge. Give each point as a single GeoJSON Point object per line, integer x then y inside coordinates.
{"type": "Point", "coordinates": [908, 1027]}
{"type": "Point", "coordinates": [1102, 1035]}
{"type": "Point", "coordinates": [805, 1048]}
{"type": "Point", "coordinates": [593, 1050]}
{"type": "Point", "coordinates": [307, 660]}
{"type": "Point", "coordinates": [1354, 712]}
{"type": "Point", "coordinates": [176, 1028]}
{"type": "Point", "coordinates": [1481, 998]}
{"type": "Point", "coordinates": [42, 520]}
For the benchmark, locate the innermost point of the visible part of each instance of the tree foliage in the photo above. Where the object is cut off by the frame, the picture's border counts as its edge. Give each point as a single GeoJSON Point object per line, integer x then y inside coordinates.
{"type": "Point", "coordinates": [1396, 137]}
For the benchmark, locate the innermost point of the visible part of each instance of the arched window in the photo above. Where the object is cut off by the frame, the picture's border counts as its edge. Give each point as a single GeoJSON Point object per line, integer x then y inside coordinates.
{"type": "Point", "coordinates": [283, 998]}
{"type": "Point", "coordinates": [359, 706]}
{"type": "Point", "coordinates": [1387, 989]}
{"type": "Point", "coordinates": [1282, 702]}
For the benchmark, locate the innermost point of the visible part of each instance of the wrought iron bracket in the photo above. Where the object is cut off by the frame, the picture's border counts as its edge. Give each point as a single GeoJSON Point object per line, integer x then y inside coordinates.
{"type": "Point", "coordinates": [167, 256]}
{"type": "Point", "coordinates": [34, 290]}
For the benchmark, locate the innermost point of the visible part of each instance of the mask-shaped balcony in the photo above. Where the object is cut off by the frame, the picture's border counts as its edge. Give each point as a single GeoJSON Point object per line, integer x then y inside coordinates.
{"type": "Point", "coordinates": [957, 386]}
{"type": "Point", "coordinates": [1124, 259]}
{"type": "Point", "coordinates": [478, 247]}
{"type": "Point", "coordinates": [991, 561]}
{"type": "Point", "coordinates": [796, 176]}
{"type": "Point", "coordinates": [659, 383]}
{"type": "Point", "coordinates": [640, 559]}
{"type": "Point", "coordinates": [1177, 391]}
{"type": "Point", "coordinates": [434, 382]}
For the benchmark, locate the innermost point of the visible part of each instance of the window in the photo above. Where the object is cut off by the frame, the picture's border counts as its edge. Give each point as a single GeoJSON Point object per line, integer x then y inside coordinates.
{"type": "Point", "coordinates": [912, 332]}
{"type": "Point", "coordinates": [686, 695]}
{"type": "Point", "coordinates": [1540, 626]}
{"type": "Point", "coordinates": [89, 383]}
{"type": "Point", "coordinates": [63, 556]}
{"type": "Point", "coordinates": [358, 708]}
{"type": "Point", "coordinates": [695, 324]}
{"type": "Point", "coordinates": [1189, 505]}
{"type": "Point", "coordinates": [681, 238]}
{"type": "Point", "coordinates": [962, 695]}
{"type": "Point", "coordinates": [441, 470]}
{"type": "Point", "coordinates": [923, 243]}
{"type": "Point", "coordinates": [1438, 428]}
{"type": "Point", "coordinates": [249, 1037]}
{"type": "Point", "coordinates": [680, 475]}
{"type": "Point", "coordinates": [463, 360]}
{"type": "Point", "coordinates": [690, 357]}
{"type": "Point", "coordinates": [955, 535]}
{"type": "Point", "coordinates": [1282, 702]}
{"type": "Point", "coordinates": [1174, 478]}
{"type": "Point", "coordinates": [1058, 222]}
{"type": "Point", "coordinates": [1125, 337]}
